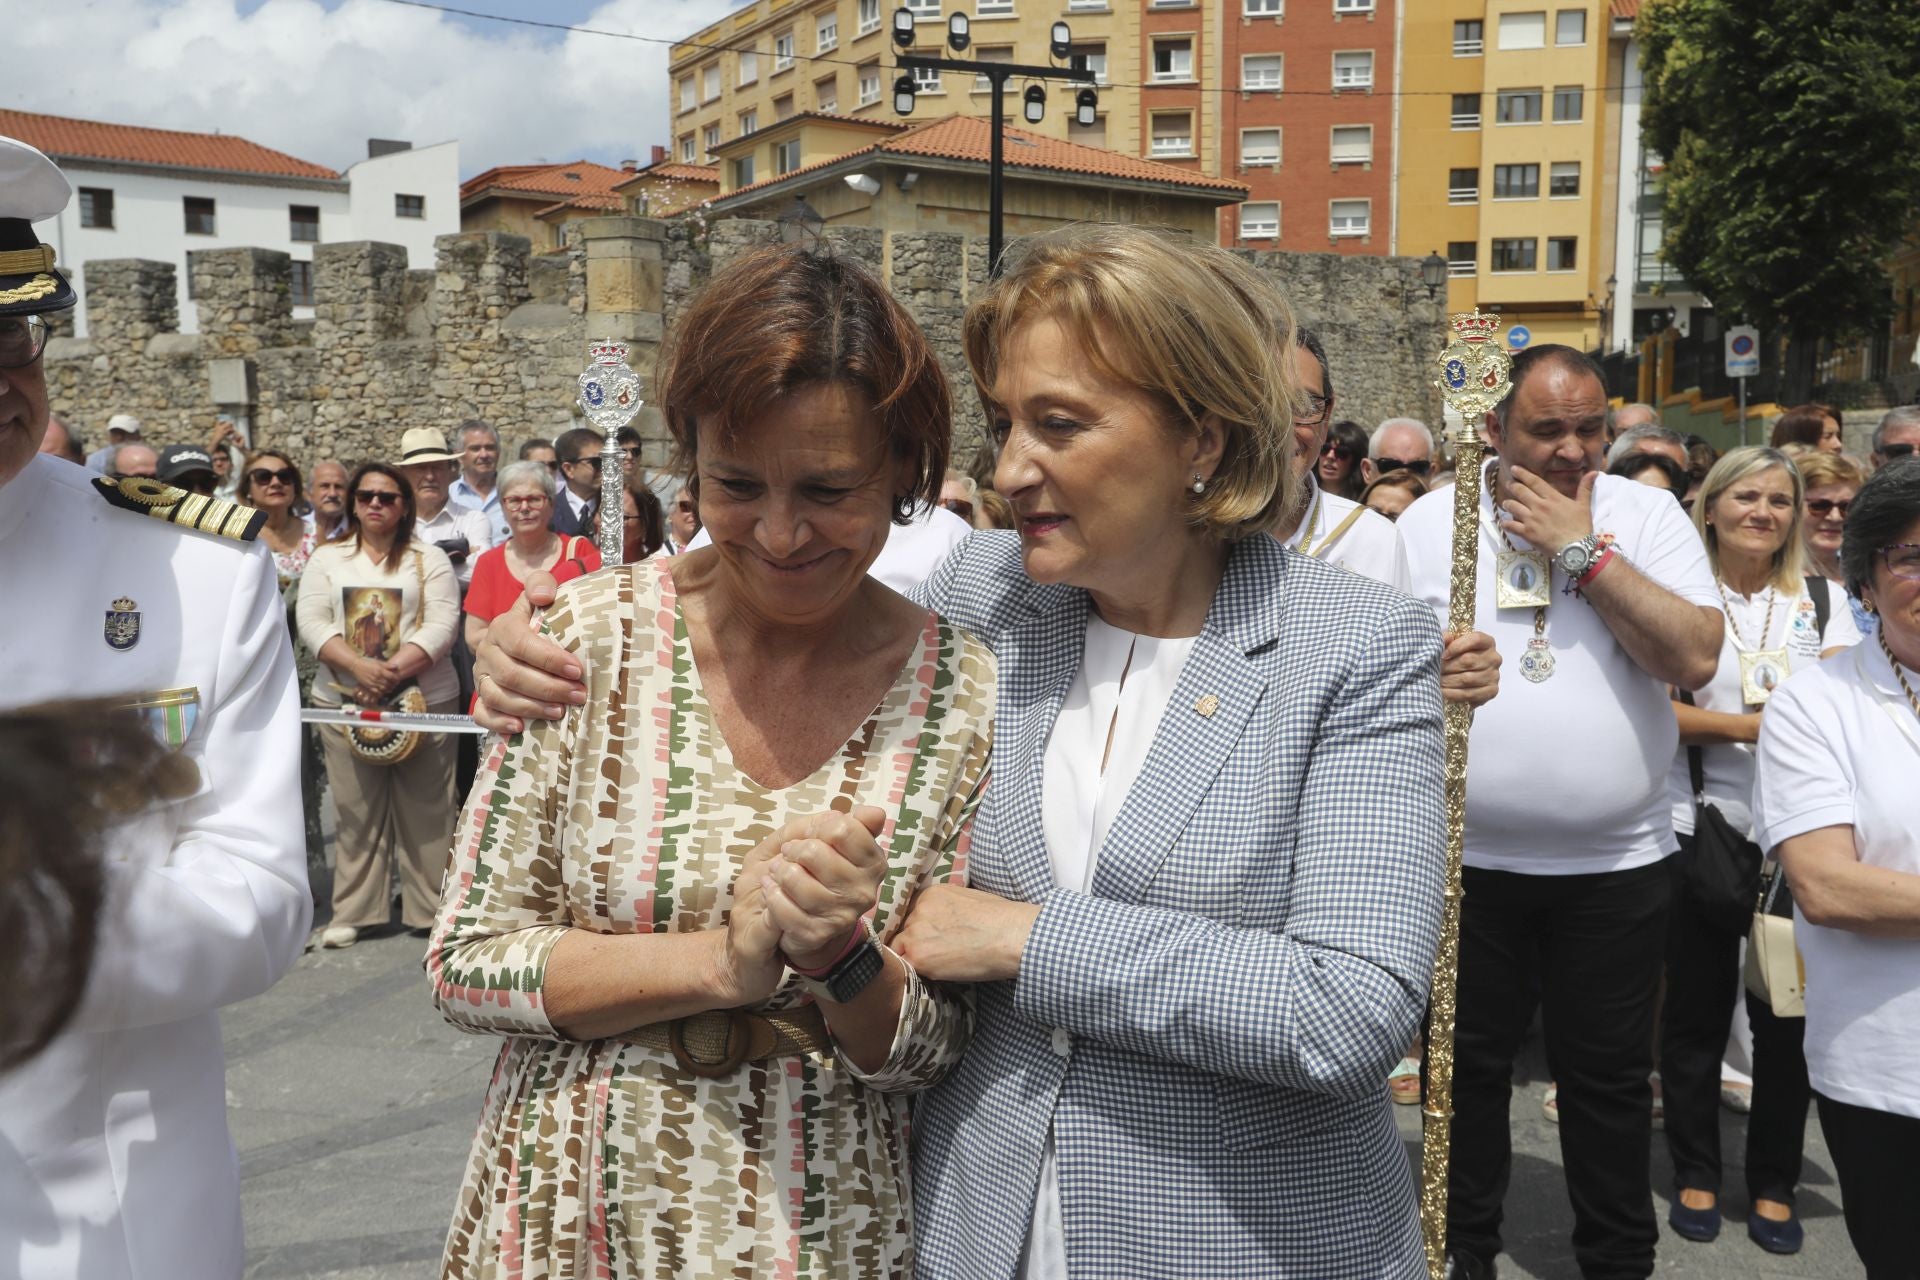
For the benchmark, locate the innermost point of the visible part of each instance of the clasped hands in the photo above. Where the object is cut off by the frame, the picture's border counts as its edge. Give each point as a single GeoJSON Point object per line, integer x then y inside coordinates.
{"type": "Point", "coordinates": [799, 897]}
{"type": "Point", "coordinates": [374, 679]}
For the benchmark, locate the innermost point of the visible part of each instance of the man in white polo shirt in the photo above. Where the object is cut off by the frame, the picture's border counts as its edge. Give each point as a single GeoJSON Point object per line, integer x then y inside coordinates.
{"type": "Point", "coordinates": [1600, 593]}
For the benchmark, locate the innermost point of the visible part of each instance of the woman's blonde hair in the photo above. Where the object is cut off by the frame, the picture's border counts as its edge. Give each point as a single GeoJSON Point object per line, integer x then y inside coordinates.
{"type": "Point", "coordinates": [1818, 470]}
{"type": "Point", "coordinates": [1790, 561]}
{"type": "Point", "coordinates": [1189, 325]}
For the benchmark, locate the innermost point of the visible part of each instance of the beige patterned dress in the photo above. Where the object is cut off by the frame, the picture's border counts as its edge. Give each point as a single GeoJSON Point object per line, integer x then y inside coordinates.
{"type": "Point", "coordinates": [607, 1159]}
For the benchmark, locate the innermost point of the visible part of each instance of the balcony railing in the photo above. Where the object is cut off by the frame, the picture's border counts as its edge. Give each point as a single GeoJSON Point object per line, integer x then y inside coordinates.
{"type": "Point", "coordinates": [1458, 267]}
{"type": "Point", "coordinates": [1466, 120]}
{"type": "Point", "coordinates": [1468, 48]}
{"type": "Point", "coordinates": [1463, 195]}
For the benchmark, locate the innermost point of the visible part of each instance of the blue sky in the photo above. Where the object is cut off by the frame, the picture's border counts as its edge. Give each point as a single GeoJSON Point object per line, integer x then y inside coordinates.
{"type": "Point", "coordinates": [317, 78]}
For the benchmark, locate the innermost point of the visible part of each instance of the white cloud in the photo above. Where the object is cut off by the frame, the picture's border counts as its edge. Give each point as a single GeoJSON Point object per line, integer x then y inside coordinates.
{"type": "Point", "coordinates": [318, 82]}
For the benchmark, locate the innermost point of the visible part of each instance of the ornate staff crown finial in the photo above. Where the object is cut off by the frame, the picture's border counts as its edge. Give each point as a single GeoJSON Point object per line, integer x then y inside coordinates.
{"type": "Point", "coordinates": [1472, 373]}
{"type": "Point", "coordinates": [610, 395]}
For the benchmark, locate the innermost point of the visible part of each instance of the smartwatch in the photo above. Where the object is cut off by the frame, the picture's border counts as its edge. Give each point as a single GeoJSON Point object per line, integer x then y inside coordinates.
{"type": "Point", "coordinates": [850, 976]}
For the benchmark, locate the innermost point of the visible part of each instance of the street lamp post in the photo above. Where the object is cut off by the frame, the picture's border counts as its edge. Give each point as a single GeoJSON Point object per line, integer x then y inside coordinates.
{"type": "Point", "coordinates": [1060, 40]}
{"type": "Point", "coordinates": [1433, 273]}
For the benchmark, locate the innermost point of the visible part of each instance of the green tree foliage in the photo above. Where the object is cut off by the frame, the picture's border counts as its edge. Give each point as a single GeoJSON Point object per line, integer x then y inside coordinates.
{"type": "Point", "coordinates": [1791, 133]}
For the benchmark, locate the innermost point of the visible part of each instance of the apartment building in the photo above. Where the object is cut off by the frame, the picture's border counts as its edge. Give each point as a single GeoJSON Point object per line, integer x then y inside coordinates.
{"type": "Point", "coordinates": [1289, 97]}
{"type": "Point", "coordinates": [1509, 158]}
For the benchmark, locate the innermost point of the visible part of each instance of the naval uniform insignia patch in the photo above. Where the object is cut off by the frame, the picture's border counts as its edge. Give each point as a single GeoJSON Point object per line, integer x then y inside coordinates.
{"type": "Point", "coordinates": [123, 624]}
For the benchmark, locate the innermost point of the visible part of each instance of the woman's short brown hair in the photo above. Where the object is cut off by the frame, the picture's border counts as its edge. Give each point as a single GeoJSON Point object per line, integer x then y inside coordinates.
{"type": "Point", "coordinates": [1802, 424]}
{"type": "Point", "coordinates": [244, 493]}
{"type": "Point", "coordinates": [787, 317]}
{"type": "Point", "coordinates": [1189, 325]}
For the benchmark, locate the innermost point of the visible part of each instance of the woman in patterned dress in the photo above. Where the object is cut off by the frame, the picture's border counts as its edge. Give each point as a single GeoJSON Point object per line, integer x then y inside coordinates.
{"type": "Point", "coordinates": [657, 899]}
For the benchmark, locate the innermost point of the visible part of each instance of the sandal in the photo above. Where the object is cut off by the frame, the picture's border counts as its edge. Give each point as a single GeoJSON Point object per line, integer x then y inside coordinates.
{"type": "Point", "coordinates": [1403, 1084]}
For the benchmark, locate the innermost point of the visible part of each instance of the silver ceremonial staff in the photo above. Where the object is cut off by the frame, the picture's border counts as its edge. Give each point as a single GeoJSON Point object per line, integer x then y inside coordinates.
{"type": "Point", "coordinates": [610, 395]}
{"type": "Point", "coordinates": [374, 717]}
{"type": "Point", "coordinates": [1472, 376]}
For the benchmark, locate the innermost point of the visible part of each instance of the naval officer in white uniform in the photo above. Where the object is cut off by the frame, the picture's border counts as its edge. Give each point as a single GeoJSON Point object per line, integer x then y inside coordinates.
{"type": "Point", "coordinates": [115, 1163]}
{"type": "Point", "coordinates": [1327, 526]}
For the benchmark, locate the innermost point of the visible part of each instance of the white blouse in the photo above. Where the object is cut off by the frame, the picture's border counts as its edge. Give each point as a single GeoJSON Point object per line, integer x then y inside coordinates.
{"type": "Point", "coordinates": [1111, 713]}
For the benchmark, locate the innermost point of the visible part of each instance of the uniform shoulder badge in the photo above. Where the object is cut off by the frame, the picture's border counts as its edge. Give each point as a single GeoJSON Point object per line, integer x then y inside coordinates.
{"type": "Point", "coordinates": [179, 506]}
{"type": "Point", "coordinates": [123, 624]}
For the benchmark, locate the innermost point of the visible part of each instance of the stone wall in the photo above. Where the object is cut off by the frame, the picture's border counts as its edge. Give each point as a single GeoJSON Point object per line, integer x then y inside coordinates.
{"type": "Point", "coordinates": [498, 332]}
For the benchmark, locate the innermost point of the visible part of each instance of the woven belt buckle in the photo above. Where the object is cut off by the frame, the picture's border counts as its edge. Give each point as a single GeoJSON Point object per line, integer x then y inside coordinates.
{"type": "Point", "coordinates": [739, 1045]}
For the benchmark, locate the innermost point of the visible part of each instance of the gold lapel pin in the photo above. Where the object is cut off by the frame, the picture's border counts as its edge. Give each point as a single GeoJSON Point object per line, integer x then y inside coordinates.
{"type": "Point", "coordinates": [1207, 705]}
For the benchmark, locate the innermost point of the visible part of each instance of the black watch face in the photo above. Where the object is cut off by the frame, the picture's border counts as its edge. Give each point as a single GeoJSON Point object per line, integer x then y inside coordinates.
{"type": "Point", "coordinates": [851, 976]}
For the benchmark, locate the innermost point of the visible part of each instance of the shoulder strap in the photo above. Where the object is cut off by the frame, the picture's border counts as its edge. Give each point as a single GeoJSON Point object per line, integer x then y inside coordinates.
{"type": "Point", "coordinates": [1333, 537]}
{"type": "Point", "coordinates": [1696, 771]}
{"type": "Point", "coordinates": [1819, 591]}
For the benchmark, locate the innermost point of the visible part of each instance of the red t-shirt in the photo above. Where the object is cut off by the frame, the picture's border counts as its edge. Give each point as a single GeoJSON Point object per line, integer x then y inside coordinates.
{"type": "Point", "coordinates": [494, 588]}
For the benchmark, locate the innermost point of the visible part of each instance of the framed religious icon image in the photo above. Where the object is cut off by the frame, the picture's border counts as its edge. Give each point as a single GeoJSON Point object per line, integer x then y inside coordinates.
{"type": "Point", "coordinates": [1761, 672]}
{"type": "Point", "coordinates": [1522, 580]}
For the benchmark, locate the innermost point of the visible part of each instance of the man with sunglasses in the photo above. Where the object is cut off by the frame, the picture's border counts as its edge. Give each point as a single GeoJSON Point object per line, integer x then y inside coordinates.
{"type": "Point", "coordinates": [579, 453]}
{"type": "Point", "coordinates": [1897, 436]}
{"type": "Point", "coordinates": [115, 1157]}
{"type": "Point", "coordinates": [1399, 443]}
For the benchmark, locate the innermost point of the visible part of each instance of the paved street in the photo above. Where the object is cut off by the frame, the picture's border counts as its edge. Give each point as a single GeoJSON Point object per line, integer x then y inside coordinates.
{"type": "Point", "coordinates": [353, 1103]}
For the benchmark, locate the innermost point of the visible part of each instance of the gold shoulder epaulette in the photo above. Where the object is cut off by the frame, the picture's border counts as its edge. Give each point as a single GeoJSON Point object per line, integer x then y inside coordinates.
{"type": "Point", "coordinates": [178, 506]}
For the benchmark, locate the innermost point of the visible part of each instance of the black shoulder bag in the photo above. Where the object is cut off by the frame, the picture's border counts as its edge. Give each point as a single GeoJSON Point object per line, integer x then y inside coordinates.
{"type": "Point", "coordinates": [1724, 875]}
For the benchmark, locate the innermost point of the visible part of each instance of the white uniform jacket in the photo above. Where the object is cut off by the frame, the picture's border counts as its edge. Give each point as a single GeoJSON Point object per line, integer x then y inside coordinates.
{"type": "Point", "coordinates": [115, 1163]}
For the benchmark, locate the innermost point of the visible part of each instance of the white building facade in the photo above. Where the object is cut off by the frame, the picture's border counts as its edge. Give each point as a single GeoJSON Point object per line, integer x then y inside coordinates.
{"type": "Point", "coordinates": [136, 209]}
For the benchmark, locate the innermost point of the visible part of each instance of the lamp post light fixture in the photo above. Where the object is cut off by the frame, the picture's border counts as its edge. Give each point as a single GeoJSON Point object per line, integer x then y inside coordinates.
{"type": "Point", "coordinates": [1036, 104]}
{"type": "Point", "coordinates": [996, 74]}
{"type": "Point", "coordinates": [800, 223]}
{"type": "Point", "coordinates": [1606, 315]}
{"type": "Point", "coordinates": [1433, 273]}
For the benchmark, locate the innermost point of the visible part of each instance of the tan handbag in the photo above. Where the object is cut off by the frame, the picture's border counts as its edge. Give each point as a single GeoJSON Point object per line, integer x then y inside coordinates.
{"type": "Point", "coordinates": [1775, 972]}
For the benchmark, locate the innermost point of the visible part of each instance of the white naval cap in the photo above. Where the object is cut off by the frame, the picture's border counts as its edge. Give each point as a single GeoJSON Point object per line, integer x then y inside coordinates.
{"type": "Point", "coordinates": [32, 189]}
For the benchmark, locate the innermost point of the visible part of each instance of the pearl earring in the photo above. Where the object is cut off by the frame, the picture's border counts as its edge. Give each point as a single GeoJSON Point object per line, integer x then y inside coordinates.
{"type": "Point", "coordinates": [1199, 485]}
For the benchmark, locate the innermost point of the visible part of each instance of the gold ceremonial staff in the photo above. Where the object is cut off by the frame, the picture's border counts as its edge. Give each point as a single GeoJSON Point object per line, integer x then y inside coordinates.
{"type": "Point", "coordinates": [1472, 376]}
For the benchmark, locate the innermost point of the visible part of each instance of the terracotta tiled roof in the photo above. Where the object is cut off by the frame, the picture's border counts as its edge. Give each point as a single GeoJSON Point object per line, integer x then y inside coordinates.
{"type": "Point", "coordinates": [64, 138]}
{"type": "Point", "coordinates": [672, 170]}
{"type": "Point", "coordinates": [958, 137]}
{"type": "Point", "coordinates": [1628, 9]}
{"type": "Point", "coordinates": [573, 183]}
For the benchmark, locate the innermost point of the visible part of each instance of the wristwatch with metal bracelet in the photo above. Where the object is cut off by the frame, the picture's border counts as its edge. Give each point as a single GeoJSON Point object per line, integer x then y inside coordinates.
{"type": "Point", "coordinates": [1577, 557]}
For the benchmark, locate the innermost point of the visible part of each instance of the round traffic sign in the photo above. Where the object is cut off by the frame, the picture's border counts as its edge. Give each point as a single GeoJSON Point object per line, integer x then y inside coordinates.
{"type": "Point", "coordinates": [1742, 345]}
{"type": "Point", "coordinates": [1519, 336]}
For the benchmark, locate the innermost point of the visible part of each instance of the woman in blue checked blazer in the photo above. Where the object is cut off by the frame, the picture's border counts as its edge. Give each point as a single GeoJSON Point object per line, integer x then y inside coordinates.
{"type": "Point", "coordinates": [1207, 874]}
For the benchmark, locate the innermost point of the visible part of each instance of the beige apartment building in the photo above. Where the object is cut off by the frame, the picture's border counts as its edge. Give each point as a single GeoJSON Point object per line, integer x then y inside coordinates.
{"type": "Point", "coordinates": [1509, 160]}
{"type": "Point", "coordinates": [775, 58]}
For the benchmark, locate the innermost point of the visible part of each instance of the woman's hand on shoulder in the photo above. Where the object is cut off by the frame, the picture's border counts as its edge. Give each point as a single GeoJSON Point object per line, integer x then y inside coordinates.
{"type": "Point", "coordinates": [955, 934]}
{"type": "Point", "coordinates": [521, 675]}
{"type": "Point", "coordinates": [823, 876]}
{"type": "Point", "coordinates": [1469, 668]}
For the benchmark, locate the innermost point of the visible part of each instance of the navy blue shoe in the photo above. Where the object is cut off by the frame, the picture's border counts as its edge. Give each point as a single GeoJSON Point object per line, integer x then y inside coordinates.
{"type": "Point", "coordinates": [1700, 1225]}
{"type": "Point", "coordinates": [1776, 1237]}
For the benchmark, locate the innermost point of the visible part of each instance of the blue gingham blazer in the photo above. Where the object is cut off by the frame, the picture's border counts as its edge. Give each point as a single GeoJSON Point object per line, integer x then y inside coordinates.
{"type": "Point", "coordinates": [1209, 1031]}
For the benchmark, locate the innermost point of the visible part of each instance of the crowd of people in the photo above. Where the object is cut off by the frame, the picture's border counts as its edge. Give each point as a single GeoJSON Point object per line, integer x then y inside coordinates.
{"type": "Point", "coordinates": [883, 873]}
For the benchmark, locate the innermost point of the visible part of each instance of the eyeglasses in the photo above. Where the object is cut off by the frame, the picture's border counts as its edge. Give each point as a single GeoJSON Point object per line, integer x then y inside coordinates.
{"type": "Point", "coordinates": [1419, 466]}
{"type": "Point", "coordinates": [1337, 451]}
{"type": "Point", "coordinates": [1897, 450]}
{"type": "Point", "coordinates": [632, 451]}
{"type": "Point", "coordinates": [1318, 407]}
{"type": "Point", "coordinates": [960, 507]}
{"type": "Point", "coordinates": [1821, 508]}
{"type": "Point", "coordinates": [684, 507]}
{"type": "Point", "coordinates": [587, 460]}
{"type": "Point", "coordinates": [1903, 560]}
{"type": "Point", "coordinates": [526, 500]}
{"type": "Point", "coordinates": [264, 475]}
{"type": "Point", "coordinates": [376, 497]}
{"type": "Point", "coordinates": [22, 339]}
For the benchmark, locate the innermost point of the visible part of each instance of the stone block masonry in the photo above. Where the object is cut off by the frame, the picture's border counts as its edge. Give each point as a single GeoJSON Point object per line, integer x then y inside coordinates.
{"type": "Point", "coordinates": [498, 332]}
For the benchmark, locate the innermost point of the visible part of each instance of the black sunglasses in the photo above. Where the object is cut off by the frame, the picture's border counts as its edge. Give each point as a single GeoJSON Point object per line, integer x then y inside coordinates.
{"type": "Point", "coordinates": [1339, 451]}
{"type": "Point", "coordinates": [22, 339]}
{"type": "Point", "coordinates": [376, 497]}
{"type": "Point", "coordinates": [591, 460]}
{"type": "Point", "coordinates": [285, 475]}
{"type": "Point", "coordinates": [1822, 506]}
{"type": "Point", "coordinates": [1896, 450]}
{"type": "Point", "coordinates": [1419, 466]}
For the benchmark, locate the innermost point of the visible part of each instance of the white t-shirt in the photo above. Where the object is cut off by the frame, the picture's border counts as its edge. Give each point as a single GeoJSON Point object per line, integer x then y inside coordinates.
{"type": "Point", "coordinates": [1840, 746]}
{"type": "Point", "coordinates": [913, 551]}
{"type": "Point", "coordinates": [1568, 776]}
{"type": "Point", "coordinates": [1727, 769]}
{"type": "Point", "coordinates": [1367, 544]}
{"type": "Point", "coordinates": [1080, 802]}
